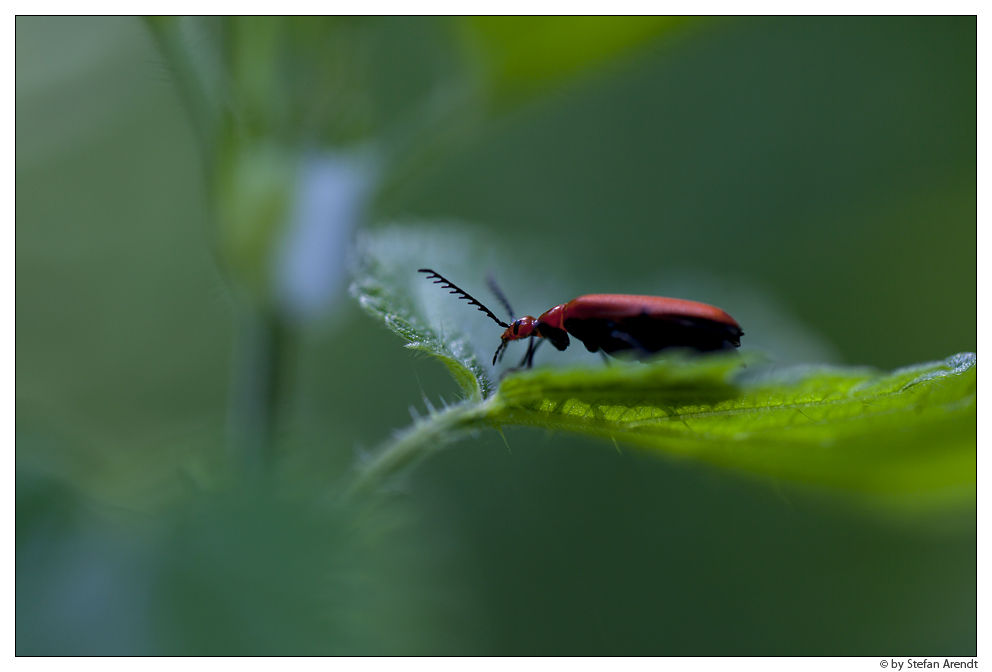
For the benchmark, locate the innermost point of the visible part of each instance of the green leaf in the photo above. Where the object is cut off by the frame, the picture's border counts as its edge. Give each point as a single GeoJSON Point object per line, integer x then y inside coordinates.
{"type": "Point", "coordinates": [522, 56]}
{"type": "Point", "coordinates": [389, 288]}
{"type": "Point", "coordinates": [908, 436]}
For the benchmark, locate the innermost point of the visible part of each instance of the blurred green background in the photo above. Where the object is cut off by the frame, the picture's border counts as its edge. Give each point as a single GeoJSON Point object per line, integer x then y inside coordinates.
{"type": "Point", "coordinates": [819, 169]}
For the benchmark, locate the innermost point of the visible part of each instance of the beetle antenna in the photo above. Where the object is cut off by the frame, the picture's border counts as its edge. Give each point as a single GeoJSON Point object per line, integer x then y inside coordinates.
{"type": "Point", "coordinates": [464, 295]}
{"type": "Point", "coordinates": [494, 288]}
{"type": "Point", "coordinates": [502, 344]}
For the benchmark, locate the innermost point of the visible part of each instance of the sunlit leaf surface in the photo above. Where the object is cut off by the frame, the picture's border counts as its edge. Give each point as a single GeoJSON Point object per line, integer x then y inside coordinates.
{"type": "Point", "coordinates": [907, 433]}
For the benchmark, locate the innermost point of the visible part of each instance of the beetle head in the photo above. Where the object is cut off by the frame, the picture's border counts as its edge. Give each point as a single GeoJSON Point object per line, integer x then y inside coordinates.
{"type": "Point", "coordinates": [523, 327]}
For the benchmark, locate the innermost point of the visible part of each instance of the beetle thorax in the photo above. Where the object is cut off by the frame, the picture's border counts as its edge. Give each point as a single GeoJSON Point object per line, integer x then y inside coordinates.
{"type": "Point", "coordinates": [554, 318]}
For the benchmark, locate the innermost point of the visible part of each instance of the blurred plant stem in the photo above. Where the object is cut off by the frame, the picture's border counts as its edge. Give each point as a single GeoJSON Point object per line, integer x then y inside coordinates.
{"type": "Point", "coordinates": [196, 73]}
{"type": "Point", "coordinates": [264, 358]}
{"type": "Point", "coordinates": [415, 443]}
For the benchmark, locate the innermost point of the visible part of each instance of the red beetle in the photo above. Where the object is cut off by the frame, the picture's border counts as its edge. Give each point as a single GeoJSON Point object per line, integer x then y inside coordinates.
{"type": "Point", "coordinates": [638, 326]}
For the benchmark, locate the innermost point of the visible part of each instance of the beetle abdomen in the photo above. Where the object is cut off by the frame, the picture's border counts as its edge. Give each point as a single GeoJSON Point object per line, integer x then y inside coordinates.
{"type": "Point", "coordinates": [643, 335]}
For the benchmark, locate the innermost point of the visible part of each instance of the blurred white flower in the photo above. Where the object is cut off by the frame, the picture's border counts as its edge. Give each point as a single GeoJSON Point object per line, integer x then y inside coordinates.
{"type": "Point", "coordinates": [332, 196]}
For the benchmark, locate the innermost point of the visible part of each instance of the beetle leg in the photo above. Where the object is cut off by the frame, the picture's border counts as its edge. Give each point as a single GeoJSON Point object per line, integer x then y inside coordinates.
{"type": "Point", "coordinates": [529, 356]}
{"type": "Point", "coordinates": [530, 346]}
{"type": "Point", "coordinates": [628, 339]}
{"type": "Point", "coordinates": [537, 344]}
{"type": "Point", "coordinates": [606, 358]}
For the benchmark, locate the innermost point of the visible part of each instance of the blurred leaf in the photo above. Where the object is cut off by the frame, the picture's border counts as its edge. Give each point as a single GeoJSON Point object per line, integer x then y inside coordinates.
{"type": "Point", "coordinates": [251, 572]}
{"type": "Point", "coordinates": [521, 56]}
{"type": "Point", "coordinates": [909, 434]}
